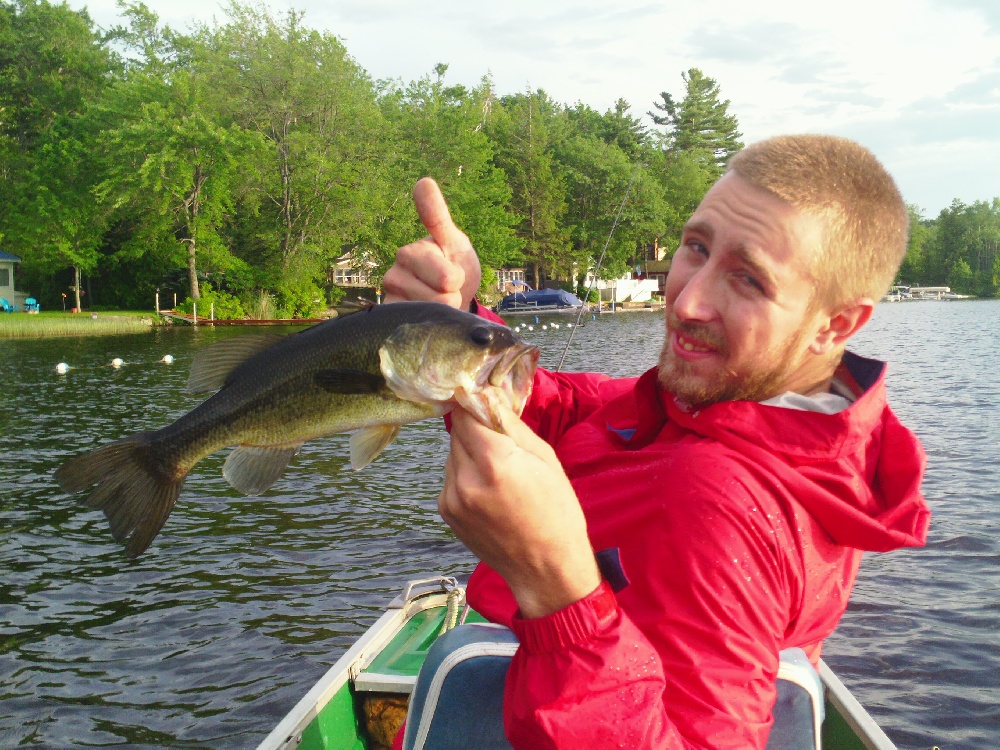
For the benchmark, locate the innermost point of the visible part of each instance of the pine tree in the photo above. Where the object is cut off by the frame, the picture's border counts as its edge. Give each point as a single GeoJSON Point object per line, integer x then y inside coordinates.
{"type": "Point", "coordinates": [700, 122]}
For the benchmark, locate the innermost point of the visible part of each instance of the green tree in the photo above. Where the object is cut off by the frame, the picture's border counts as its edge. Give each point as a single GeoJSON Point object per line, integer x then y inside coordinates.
{"type": "Point", "coordinates": [598, 176]}
{"type": "Point", "coordinates": [625, 131]}
{"type": "Point", "coordinates": [700, 122]}
{"type": "Point", "coordinates": [525, 153]}
{"type": "Point", "coordinates": [960, 277]}
{"type": "Point", "coordinates": [921, 234]}
{"type": "Point", "coordinates": [987, 281]}
{"type": "Point", "coordinates": [982, 244]}
{"type": "Point", "coordinates": [441, 131]}
{"type": "Point", "coordinates": [685, 177]}
{"type": "Point", "coordinates": [53, 65]}
{"type": "Point", "coordinates": [172, 154]}
{"type": "Point", "coordinates": [967, 233]}
{"type": "Point", "coordinates": [315, 107]}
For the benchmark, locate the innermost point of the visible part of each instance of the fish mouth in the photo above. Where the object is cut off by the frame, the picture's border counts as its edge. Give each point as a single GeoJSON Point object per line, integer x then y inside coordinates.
{"type": "Point", "coordinates": [508, 382]}
{"type": "Point", "coordinates": [518, 362]}
{"type": "Point", "coordinates": [511, 357]}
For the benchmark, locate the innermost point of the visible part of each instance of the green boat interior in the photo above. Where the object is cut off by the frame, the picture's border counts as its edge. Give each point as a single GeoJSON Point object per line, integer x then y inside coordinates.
{"type": "Point", "coordinates": [362, 701]}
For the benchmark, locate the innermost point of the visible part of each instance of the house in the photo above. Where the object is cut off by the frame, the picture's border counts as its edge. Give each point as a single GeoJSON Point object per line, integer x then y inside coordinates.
{"type": "Point", "coordinates": [657, 270]}
{"type": "Point", "coordinates": [510, 280]}
{"type": "Point", "coordinates": [349, 272]}
{"type": "Point", "coordinates": [7, 263]}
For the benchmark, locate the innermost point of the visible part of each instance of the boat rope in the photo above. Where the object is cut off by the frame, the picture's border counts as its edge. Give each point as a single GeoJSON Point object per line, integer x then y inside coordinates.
{"type": "Point", "coordinates": [597, 268]}
{"type": "Point", "coordinates": [456, 596]}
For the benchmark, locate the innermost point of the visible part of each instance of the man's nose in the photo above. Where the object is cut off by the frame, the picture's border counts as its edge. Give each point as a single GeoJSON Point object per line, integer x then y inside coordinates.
{"type": "Point", "coordinates": [695, 302]}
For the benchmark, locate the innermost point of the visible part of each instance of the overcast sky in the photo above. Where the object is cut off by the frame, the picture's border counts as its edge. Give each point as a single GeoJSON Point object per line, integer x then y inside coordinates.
{"type": "Point", "coordinates": [917, 81]}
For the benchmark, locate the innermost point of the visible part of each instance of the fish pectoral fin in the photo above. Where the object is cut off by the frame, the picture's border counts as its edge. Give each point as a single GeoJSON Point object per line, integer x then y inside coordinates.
{"type": "Point", "coordinates": [213, 364]}
{"type": "Point", "coordinates": [251, 469]}
{"type": "Point", "coordinates": [368, 442]}
{"type": "Point", "coordinates": [347, 381]}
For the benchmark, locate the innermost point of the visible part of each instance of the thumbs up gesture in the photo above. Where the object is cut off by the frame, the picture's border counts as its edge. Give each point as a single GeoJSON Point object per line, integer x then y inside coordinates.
{"type": "Point", "coordinates": [442, 267]}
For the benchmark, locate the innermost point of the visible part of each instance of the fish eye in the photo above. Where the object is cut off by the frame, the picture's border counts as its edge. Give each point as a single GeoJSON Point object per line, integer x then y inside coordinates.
{"type": "Point", "coordinates": [481, 335]}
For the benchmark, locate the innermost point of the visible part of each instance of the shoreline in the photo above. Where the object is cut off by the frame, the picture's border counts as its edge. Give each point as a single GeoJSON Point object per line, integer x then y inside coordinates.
{"type": "Point", "coordinates": [62, 324]}
{"type": "Point", "coordinates": [58, 324]}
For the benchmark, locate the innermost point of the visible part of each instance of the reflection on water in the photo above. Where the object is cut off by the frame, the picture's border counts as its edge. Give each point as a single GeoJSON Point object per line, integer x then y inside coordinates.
{"type": "Point", "coordinates": [241, 603]}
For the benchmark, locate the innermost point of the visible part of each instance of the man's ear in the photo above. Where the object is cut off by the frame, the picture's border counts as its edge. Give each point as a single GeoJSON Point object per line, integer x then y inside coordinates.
{"type": "Point", "coordinates": [839, 324]}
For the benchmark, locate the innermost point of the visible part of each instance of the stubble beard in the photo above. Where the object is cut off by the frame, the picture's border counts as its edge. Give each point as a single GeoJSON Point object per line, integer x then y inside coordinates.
{"type": "Point", "coordinates": [752, 384]}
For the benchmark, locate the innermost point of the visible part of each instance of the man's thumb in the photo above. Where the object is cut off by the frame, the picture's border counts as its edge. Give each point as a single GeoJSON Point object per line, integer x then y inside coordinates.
{"type": "Point", "coordinates": [434, 214]}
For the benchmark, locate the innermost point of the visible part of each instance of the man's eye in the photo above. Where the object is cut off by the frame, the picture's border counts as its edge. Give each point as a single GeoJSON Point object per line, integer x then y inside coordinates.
{"type": "Point", "coordinates": [751, 281]}
{"type": "Point", "coordinates": [697, 247]}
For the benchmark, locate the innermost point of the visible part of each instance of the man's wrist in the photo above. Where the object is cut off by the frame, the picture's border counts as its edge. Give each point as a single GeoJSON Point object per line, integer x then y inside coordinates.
{"type": "Point", "coordinates": [539, 601]}
{"type": "Point", "coordinates": [576, 623]}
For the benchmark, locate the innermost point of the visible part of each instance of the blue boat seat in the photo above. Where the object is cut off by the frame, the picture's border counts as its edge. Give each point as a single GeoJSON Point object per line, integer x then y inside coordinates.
{"type": "Point", "coordinates": [31, 305]}
{"type": "Point", "coordinates": [457, 702]}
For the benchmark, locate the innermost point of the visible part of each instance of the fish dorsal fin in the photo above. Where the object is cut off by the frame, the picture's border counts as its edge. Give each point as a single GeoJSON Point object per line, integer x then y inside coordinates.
{"type": "Point", "coordinates": [213, 364]}
{"type": "Point", "coordinates": [251, 469]}
{"type": "Point", "coordinates": [351, 306]}
{"type": "Point", "coordinates": [368, 442]}
{"type": "Point", "coordinates": [347, 381]}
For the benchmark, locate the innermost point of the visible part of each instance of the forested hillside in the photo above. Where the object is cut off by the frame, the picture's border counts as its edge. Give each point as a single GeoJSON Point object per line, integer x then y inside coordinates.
{"type": "Point", "coordinates": [250, 155]}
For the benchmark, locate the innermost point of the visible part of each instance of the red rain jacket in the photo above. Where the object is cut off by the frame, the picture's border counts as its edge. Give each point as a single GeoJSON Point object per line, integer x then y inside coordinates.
{"type": "Point", "coordinates": [740, 527]}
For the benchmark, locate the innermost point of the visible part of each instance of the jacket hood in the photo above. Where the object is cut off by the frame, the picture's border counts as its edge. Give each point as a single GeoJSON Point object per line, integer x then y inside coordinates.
{"type": "Point", "coordinates": [857, 472]}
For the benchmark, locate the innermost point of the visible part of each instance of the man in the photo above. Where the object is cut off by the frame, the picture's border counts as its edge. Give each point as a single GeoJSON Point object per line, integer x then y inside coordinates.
{"type": "Point", "coordinates": [737, 482]}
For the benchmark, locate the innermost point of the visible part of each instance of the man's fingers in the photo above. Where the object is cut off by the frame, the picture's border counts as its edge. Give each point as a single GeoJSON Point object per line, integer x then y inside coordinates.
{"type": "Point", "coordinates": [434, 215]}
{"type": "Point", "coordinates": [475, 436]}
{"type": "Point", "coordinates": [421, 272]}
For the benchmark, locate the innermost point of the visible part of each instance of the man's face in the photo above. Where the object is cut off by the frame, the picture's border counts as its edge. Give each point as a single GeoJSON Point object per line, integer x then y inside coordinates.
{"type": "Point", "coordinates": [739, 318]}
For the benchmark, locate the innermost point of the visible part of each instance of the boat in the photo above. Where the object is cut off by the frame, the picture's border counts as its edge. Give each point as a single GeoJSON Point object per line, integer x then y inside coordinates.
{"type": "Point", "coordinates": [534, 301]}
{"type": "Point", "coordinates": [360, 703]}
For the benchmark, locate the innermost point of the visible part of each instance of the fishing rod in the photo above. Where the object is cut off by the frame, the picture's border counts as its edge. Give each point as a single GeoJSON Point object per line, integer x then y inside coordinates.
{"type": "Point", "coordinates": [597, 269]}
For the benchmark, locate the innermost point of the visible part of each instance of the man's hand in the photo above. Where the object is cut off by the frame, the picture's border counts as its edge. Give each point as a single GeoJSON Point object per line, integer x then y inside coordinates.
{"type": "Point", "coordinates": [442, 267]}
{"type": "Point", "coordinates": [508, 499]}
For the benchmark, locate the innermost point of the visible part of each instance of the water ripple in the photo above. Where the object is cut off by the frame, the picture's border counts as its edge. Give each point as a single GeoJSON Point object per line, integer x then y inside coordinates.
{"type": "Point", "coordinates": [241, 603]}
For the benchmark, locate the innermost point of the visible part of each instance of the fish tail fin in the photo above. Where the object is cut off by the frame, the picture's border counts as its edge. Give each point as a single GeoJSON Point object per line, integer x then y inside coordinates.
{"type": "Point", "coordinates": [135, 491]}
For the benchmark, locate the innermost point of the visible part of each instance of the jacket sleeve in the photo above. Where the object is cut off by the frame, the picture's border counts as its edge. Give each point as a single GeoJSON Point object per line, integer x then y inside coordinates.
{"type": "Point", "coordinates": [685, 657]}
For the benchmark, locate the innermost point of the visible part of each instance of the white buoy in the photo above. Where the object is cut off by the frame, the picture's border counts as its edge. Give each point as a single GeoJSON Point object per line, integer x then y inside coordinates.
{"type": "Point", "coordinates": [117, 362]}
{"type": "Point", "coordinates": [168, 358]}
{"type": "Point", "coordinates": [545, 327]}
{"type": "Point", "coordinates": [554, 325]}
{"type": "Point", "coordinates": [531, 328]}
{"type": "Point", "coordinates": [62, 368]}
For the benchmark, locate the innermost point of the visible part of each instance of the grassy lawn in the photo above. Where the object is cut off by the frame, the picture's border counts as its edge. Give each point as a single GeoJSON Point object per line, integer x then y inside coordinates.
{"type": "Point", "coordinates": [58, 323]}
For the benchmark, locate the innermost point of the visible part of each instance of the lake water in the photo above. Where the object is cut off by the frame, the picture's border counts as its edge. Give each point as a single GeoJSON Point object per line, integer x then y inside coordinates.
{"type": "Point", "coordinates": [242, 603]}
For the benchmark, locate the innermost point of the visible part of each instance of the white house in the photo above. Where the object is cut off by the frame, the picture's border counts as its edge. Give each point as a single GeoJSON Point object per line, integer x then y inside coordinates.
{"type": "Point", "coordinates": [349, 272]}
{"type": "Point", "coordinates": [7, 263]}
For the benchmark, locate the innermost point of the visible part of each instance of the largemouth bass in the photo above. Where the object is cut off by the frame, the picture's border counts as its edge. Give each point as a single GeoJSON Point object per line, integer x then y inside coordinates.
{"type": "Point", "coordinates": [369, 372]}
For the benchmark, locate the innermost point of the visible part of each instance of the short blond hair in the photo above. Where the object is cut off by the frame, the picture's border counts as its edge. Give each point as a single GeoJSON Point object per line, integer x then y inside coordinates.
{"type": "Point", "coordinates": [867, 222]}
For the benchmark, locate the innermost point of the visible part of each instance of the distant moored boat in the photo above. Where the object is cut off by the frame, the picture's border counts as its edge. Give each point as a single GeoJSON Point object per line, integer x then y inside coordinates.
{"type": "Point", "coordinates": [539, 300]}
